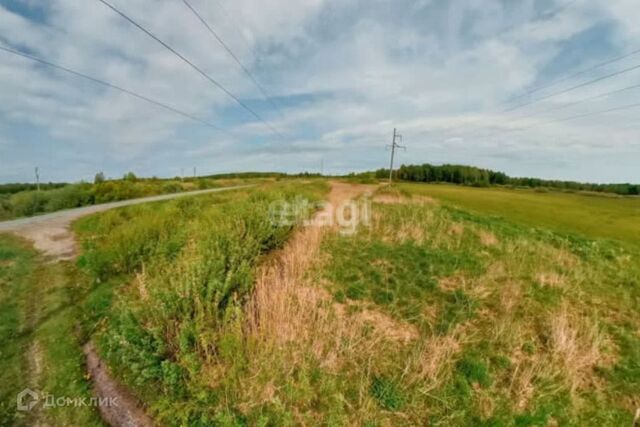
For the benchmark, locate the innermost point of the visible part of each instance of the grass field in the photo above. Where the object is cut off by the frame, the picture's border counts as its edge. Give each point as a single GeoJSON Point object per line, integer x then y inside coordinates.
{"type": "Point", "coordinates": [475, 310]}
{"type": "Point", "coordinates": [595, 216]}
{"type": "Point", "coordinates": [41, 304]}
{"type": "Point", "coordinates": [477, 321]}
{"type": "Point", "coordinates": [184, 271]}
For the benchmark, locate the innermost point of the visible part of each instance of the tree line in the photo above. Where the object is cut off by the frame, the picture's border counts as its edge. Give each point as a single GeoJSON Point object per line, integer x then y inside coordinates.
{"type": "Point", "coordinates": [478, 177]}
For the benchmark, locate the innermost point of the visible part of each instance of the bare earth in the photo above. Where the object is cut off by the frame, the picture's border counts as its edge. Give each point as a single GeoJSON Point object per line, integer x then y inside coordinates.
{"type": "Point", "coordinates": [125, 410]}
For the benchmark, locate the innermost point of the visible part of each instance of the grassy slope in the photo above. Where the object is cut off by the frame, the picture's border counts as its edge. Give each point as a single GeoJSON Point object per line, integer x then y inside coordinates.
{"type": "Point", "coordinates": [182, 269]}
{"type": "Point", "coordinates": [38, 332]}
{"type": "Point", "coordinates": [514, 326]}
{"type": "Point", "coordinates": [591, 215]}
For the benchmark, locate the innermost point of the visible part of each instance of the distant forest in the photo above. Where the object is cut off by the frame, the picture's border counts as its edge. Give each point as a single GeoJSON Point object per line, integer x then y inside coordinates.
{"type": "Point", "coordinates": [473, 176]}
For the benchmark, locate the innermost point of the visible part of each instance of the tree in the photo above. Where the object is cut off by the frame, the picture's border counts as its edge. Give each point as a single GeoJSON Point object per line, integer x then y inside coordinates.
{"type": "Point", "coordinates": [130, 176]}
{"type": "Point", "coordinates": [99, 178]}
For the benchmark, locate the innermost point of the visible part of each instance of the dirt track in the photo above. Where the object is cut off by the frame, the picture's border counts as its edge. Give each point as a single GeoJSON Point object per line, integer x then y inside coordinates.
{"type": "Point", "coordinates": [51, 233]}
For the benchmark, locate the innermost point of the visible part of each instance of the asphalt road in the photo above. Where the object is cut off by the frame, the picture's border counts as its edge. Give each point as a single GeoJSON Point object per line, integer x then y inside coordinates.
{"type": "Point", "coordinates": [51, 234]}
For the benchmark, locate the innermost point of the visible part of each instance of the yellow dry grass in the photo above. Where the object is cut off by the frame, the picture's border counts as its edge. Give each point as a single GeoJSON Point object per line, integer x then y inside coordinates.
{"type": "Point", "coordinates": [286, 307]}
{"type": "Point", "coordinates": [577, 347]}
{"type": "Point", "coordinates": [488, 239]}
{"type": "Point", "coordinates": [432, 359]}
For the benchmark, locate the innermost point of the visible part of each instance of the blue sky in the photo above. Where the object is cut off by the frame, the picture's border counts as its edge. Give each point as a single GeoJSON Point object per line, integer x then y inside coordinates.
{"type": "Point", "coordinates": [343, 74]}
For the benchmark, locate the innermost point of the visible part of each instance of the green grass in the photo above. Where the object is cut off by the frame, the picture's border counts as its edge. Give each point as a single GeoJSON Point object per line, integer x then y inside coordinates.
{"type": "Point", "coordinates": [434, 315]}
{"type": "Point", "coordinates": [591, 215]}
{"type": "Point", "coordinates": [16, 265]}
{"type": "Point", "coordinates": [41, 346]}
{"type": "Point", "coordinates": [495, 291]}
{"type": "Point", "coordinates": [183, 271]}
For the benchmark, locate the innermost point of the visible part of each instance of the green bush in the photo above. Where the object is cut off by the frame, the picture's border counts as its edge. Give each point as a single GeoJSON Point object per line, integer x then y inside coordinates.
{"type": "Point", "coordinates": [71, 196]}
{"type": "Point", "coordinates": [28, 203]}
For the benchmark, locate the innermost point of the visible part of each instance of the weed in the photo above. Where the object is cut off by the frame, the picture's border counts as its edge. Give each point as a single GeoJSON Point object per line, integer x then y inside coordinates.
{"type": "Point", "coordinates": [387, 393]}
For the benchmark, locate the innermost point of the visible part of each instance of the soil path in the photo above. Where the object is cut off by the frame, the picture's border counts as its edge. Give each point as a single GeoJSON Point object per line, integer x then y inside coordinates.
{"type": "Point", "coordinates": [123, 409]}
{"type": "Point", "coordinates": [282, 307]}
{"type": "Point", "coordinates": [51, 233]}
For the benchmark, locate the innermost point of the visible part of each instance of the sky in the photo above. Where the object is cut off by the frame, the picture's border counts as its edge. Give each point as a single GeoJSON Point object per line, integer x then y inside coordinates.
{"type": "Point", "coordinates": [339, 76]}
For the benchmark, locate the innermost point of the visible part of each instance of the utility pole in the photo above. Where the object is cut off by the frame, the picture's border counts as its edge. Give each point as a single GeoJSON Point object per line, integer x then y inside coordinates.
{"type": "Point", "coordinates": [322, 166]}
{"type": "Point", "coordinates": [394, 144]}
{"type": "Point", "coordinates": [194, 171]}
{"type": "Point", "coordinates": [37, 179]}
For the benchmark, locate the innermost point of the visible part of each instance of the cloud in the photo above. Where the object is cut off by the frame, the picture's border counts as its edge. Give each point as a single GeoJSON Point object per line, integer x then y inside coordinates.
{"type": "Point", "coordinates": [343, 73]}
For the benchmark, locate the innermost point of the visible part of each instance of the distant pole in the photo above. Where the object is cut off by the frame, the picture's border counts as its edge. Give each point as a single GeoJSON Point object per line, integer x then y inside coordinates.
{"type": "Point", "coordinates": [394, 145]}
{"type": "Point", "coordinates": [393, 152]}
{"type": "Point", "coordinates": [37, 179]}
{"type": "Point", "coordinates": [321, 166]}
{"type": "Point", "coordinates": [194, 171]}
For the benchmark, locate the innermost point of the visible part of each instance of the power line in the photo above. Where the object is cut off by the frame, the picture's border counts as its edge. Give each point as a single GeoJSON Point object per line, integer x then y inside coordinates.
{"type": "Point", "coordinates": [581, 85]}
{"type": "Point", "coordinates": [565, 119]}
{"type": "Point", "coordinates": [192, 65]}
{"type": "Point", "coordinates": [230, 52]}
{"type": "Point", "coordinates": [236, 26]}
{"type": "Point", "coordinates": [110, 85]}
{"type": "Point", "coordinates": [591, 98]}
{"type": "Point", "coordinates": [595, 113]}
{"type": "Point", "coordinates": [576, 74]}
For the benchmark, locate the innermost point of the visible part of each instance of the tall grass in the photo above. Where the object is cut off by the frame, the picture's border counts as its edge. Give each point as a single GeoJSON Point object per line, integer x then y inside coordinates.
{"type": "Point", "coordinates": [59, 197]}
{"type": "Point", "coordinates": [431, 316]}
{"type": "Point", "coordinates": [187, 269]}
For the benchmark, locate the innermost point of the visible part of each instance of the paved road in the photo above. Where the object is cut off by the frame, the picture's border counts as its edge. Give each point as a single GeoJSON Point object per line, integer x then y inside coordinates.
{"type": "Point", "coordinates": [50, 233]}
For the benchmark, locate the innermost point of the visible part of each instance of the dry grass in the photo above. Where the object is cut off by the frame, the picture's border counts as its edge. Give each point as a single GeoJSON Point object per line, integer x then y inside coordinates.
{"type": "Point", "coordinates": [456, 229]}
{"type": "Point", "coordinates": [554, 280]}
{"type": "Point", "coordinates": [286, 307]}
{"type": "Point", "coordinates": [526, 370]}
{"type": "Point", "coordinates": [576, 347]}
{"type": "Point", "coordinates": [432, 359]}
{"type": "Point", "coordinates": [488, 239]}
{"type": "Point", "coordinates": [383, 325]}
{"type": "Point", "coordinates": [283, 308]}
{"type": "Point", "coordinates": [393, 199]}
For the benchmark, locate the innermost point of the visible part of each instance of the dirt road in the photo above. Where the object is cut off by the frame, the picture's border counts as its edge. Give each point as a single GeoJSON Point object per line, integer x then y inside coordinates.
{"type": "Point", "coordinates": [51, 235]}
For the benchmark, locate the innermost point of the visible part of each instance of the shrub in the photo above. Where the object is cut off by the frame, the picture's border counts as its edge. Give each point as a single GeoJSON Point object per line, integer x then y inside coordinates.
{"type": "Point", "coordinates": [71, 196]}
{"type": "Point", "coordinates": [28, 203]}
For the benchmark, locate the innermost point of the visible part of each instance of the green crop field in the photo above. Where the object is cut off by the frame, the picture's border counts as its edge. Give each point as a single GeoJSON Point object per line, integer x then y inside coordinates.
{"type": "Point", "coordinates": [592, 215]}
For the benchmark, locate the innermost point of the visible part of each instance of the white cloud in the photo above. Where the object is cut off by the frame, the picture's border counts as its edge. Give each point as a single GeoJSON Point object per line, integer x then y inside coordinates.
{"type": "Point", "coordinates": [344, 73]}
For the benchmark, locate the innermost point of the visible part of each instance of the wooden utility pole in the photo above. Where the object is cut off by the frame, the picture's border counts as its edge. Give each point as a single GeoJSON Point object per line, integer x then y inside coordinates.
{"type": "Point", "coordinates": [37, 179]}
{"type": "Point", "coordinates": [394, 145]}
